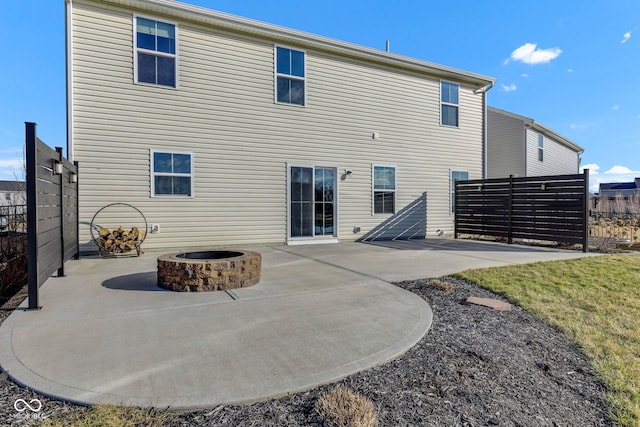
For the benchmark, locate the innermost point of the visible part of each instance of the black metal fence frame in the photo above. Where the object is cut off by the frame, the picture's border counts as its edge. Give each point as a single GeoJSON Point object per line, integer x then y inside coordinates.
{"type": "Point", "coordinates": [551, 208]}
{"type": "Point", "coordinates": [52, 212]}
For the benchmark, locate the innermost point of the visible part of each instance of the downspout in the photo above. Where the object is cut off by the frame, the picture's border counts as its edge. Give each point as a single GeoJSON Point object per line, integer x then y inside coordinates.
{"type": "Point", "coordinates": [525, 148]}
{"type": "Point", "coordinates": [483, 90]}
{"type": "Point", "coordinates": [69, 76]}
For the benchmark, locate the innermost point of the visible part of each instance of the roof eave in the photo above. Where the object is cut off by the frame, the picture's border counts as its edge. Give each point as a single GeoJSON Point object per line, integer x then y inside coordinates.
{"type": "Point", "coordinates": [556, 136]}
{"type": "Point", "coordinates": [539, 127]}
{"type": "Point", "coordinates": [281, 34]}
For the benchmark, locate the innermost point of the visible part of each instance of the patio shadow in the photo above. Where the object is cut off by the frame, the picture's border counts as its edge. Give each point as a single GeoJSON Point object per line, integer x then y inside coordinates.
{"type": "Point", "coordinates": [407, 224]}
{"type": "Point", "coordinates": [135, 282]}
{"type": "Point", "coordinates": [441, 244]}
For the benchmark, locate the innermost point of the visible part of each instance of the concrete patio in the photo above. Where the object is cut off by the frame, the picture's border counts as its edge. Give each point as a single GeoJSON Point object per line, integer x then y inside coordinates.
{"type": "Point", "coordinates": [108, 334]}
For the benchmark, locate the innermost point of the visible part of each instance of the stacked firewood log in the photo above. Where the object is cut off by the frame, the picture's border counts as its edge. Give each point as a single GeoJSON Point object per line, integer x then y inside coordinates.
{"type": "Point", "coordinates": [120, 241]}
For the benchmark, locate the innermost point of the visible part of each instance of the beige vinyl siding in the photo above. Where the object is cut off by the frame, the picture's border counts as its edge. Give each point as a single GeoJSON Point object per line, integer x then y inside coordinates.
{"type": "Point", "coordinates": [223, 112]}
{"type": "Point", "coordinates": [505, 145]}
{"type": "Point", "coordinates": [558, 159]}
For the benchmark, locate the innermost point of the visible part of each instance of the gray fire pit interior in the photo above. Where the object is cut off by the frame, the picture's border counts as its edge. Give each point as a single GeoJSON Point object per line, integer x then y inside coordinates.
{"type": "Point", "coordinates": [215, 270]}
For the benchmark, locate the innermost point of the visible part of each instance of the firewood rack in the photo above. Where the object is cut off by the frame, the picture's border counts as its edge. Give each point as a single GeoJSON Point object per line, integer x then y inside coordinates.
{"type": "Point", "coordinates": [120, 241]}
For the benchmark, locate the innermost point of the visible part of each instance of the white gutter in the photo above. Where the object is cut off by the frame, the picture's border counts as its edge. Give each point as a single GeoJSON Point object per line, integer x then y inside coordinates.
{"type": "Point", "coordinates": [69, 64]}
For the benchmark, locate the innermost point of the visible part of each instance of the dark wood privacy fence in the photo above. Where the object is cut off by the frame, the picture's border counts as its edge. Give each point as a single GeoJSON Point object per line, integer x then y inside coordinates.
{"type": "Point", "coordinates": [552, 208]}
{"type": "Point", "coordinates": [52, 212]}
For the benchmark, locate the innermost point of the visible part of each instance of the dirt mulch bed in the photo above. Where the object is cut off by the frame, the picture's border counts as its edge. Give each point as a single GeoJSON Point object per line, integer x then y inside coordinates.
{"type": "Point", "coordinates": [475, 367]}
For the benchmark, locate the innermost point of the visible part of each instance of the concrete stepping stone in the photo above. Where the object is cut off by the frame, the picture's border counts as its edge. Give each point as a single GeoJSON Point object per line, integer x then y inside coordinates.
{"type": "Point", "coordinates": [490, 302]}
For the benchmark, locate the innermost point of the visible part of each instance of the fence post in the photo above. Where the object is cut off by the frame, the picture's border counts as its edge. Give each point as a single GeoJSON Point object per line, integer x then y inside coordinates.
{"type": "Point", "coordinates": [455, 209]}
{"type": "Point", "coordinates": [62, 230]}
{"type": "Point", "coordinates": [585, 213]}
{"type": "Point", "coordinates": [510, 232]}
{"type": "Point", "coordinates": [77, 254]}
{"type": "Point", "coordinates": [32, 215]}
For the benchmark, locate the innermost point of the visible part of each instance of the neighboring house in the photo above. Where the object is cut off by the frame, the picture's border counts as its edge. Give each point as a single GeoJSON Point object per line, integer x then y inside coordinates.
{"type": "Point", "coordinates": [520, 146]}
{"type": "Point", "coordinates": [13, 193]}
{"type": "Point", "coordinates": [226, 131]}
{"type": "Point", "coordinates": [620, 189]}
{"type": "Point", "coordinates": [619, 197]}
{"type": "Point", "coordinates": [13, 200]}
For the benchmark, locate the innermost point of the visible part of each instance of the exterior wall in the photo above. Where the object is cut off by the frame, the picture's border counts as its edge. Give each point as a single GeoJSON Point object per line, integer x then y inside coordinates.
{"type": "Point", "coordinates": [12, 198]}
{"type": "Point", "coordinates": [13, 193]}
{"type": "Point", "coordinates": [558, 159]}
{"type": "Point", "coordinates": [505, 146]}
{"type": "Point", "coordinates": [223, 112]}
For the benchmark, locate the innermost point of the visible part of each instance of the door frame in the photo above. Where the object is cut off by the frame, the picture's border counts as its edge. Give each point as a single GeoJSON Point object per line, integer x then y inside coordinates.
{"type": "Point", "coordinates": [312, 239]}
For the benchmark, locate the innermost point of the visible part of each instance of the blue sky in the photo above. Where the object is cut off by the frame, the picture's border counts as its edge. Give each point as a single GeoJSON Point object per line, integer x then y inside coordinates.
{"type": "Point", "coordinates": [572, 65]}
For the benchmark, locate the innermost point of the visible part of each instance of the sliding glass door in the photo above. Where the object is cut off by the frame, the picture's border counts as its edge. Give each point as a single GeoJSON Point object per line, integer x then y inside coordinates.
{"type": "Point", "coordinates": [312, 192]}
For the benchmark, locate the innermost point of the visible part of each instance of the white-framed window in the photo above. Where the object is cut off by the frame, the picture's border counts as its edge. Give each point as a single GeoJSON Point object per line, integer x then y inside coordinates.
{"type": "Point", "coordinates": [449, 103]}
{"type": "Point", "coordinates": [155, 52]}
{"type": "Point", "coordinates": [384, 189]}
{"type": "Point", "coordinates": [456, 176]}
{"type": "Point", "coordinates": [290, 72]}
{"type": "Point", "coordinates": [540, 147]}
{"type": "Point", "coordinates": [171, 173]}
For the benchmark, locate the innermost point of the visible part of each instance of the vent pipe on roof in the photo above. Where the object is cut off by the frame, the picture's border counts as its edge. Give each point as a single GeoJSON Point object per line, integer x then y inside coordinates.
{"type": "Point", "coordinates": [388, 49]}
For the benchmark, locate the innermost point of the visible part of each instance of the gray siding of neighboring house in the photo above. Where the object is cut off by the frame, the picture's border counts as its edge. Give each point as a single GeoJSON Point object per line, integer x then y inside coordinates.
{"type": "Point", "coordinates": [13, 193]}
{"type": "Point", "coordinates": [558, 159]}
{"type": "Point", "coordinates": [505, 146]}
{"type": "Point", "coordinates": [223, 112]}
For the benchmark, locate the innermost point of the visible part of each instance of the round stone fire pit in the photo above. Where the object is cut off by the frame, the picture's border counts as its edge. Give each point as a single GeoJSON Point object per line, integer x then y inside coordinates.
{"type": "Point", "coordinates": [208, 270]}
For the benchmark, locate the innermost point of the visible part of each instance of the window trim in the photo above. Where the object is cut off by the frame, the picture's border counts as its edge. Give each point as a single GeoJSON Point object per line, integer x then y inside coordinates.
{"type": "Point", "coordinates": [540, 147]}
{"type": "Point", "coordinates": [450, 104]}
{"type": "Point", "coordinates": [452, 188]}
{"type": "Point", "coordinates": [136, 49]}
{"type": "Point", "coordinates": [373, 189]}
{"type": "Point", "coordinates": [152, 173]}
{"type": "Point", "coordinates": [288, 76]}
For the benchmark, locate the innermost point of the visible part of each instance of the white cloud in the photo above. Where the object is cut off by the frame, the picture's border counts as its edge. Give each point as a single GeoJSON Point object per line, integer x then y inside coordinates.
{"type": "Point", "coordinates": [11, 167]}
{"type": "Point", "coordinates": [569, 70]}
{"type": "Point", "coordinates": [582, 125]}
{"type": "Point", "coordinates": [525, 75]}
{"type": "Point", "coordinates": [626, 37]}
{"type": "Point", "coordinates": [615, 107]}
{"type": "Point", "coordinates": [593, 168]}
{"type": "Point", "coordinates": [509, 88]}
{"type": "Point", "coordinates": [617, 169]}
{"type": "Point", "coordinates": [530, 54]}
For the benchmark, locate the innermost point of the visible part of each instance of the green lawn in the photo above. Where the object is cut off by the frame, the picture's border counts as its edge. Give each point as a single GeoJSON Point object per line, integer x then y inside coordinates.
{"type": "Point", "coordinates": [596, 301]}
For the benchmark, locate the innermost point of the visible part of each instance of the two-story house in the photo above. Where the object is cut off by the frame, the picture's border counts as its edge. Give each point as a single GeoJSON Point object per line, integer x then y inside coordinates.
{"type": "Point", "coordinates": [225, 131]}
{"type": "Point", "coordinates": [617, 197]}
{"type": "Point", "coordinates": [620, 189]}
{"type": "Point", "coordinates": [13, 193]}
{"type": "Point", "coordinates": [520, 146]}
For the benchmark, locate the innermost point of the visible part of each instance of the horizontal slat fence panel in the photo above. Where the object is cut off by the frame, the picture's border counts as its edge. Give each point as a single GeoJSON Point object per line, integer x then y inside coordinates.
{"type": "Point", "coordinates": [552, 208]}
{"type": "Point", "coordinates": [52, 212]}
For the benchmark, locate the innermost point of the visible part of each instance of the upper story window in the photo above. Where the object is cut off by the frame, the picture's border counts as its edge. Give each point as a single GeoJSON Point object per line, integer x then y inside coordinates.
{"type": "Point", "coordinates": [155, 52]}
{"type": "Point", "coordinates": [540, 148]}
{"type": "Point", "coordinates": [171, 174]}
{"type": "Point", "coordinates": [384, 189]}
{"type": "Point", "coordinates": [290, 76]}
{"type": "Point", "coordinates": [449, 103]}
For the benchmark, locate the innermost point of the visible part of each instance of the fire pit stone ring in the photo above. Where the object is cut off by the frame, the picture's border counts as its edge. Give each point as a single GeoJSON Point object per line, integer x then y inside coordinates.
{"type": "Point", "coordinates": [215, 270]}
